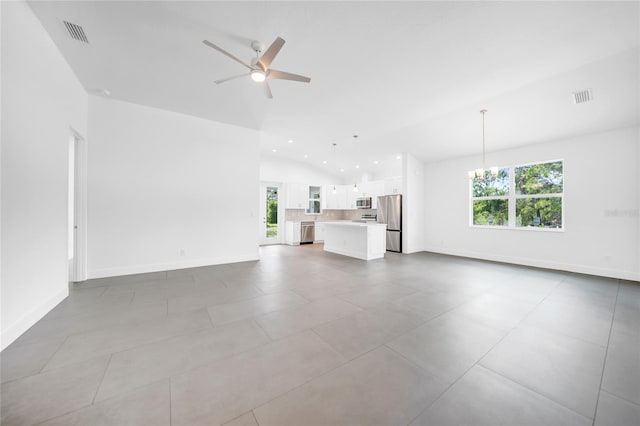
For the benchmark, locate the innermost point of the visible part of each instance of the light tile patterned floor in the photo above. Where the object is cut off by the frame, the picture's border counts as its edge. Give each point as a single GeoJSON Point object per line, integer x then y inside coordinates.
{"type": "Point", "coordinates": [304, 337]}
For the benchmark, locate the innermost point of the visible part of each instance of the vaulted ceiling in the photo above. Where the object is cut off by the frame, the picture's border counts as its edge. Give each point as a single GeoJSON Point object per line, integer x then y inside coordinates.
{"type": "Point", "coordinates": [403, 76]}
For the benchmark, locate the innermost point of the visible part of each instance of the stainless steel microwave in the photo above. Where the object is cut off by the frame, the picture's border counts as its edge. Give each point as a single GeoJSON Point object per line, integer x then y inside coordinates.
{"type": "Point", "coordinates": [363, 203]}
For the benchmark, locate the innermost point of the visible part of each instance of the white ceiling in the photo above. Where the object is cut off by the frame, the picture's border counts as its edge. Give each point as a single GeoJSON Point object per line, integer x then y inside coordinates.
{"type": "Point", "coordinates": [404, 76]}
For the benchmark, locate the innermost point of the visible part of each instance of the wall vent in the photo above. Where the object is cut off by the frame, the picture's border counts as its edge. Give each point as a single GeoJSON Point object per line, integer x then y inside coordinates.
{"type": "Point", "coordinates": [76, 32]}
{"type": "Point", "coordinates": [582, 96]}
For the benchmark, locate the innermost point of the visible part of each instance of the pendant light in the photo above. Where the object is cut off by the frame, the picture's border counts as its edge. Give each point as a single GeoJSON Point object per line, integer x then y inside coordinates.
{"type": "Point", "coordinates": [480, 173]}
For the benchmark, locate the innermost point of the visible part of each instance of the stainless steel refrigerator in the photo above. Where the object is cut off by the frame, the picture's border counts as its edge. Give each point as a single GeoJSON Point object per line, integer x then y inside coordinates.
{"type": "Point", "coordinates": [390, 212]}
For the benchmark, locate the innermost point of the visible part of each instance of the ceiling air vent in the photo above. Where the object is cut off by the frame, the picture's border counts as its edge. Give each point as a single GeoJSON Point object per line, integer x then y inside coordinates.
{"type": "Point", "coordinates": [76, 32]}
{"type": "Point", "coordinates": [582, 96]}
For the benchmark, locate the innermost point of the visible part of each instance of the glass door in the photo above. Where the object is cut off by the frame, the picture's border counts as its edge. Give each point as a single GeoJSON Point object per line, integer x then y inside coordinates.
{"type": "Point", "coordinates": [270, 229]}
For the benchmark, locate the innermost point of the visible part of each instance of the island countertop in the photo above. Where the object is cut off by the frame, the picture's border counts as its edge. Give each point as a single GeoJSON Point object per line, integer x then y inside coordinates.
{"type": "Point", "coordinates": [362, 240]}
{"type": "Point", "coordinates": [352, 223]}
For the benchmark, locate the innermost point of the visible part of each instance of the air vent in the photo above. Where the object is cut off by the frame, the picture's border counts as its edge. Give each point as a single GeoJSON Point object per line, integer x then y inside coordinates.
{"type": "Point", "coordinates": [76, 32]}
{"type": "Point", "coordinates": [582, 96]}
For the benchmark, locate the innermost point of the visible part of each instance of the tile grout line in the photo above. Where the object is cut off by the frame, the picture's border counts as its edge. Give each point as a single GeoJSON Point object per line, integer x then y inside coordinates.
{"type": "Point", "coordinates": [346, 361]}
{"type": "Point", "coordinates": [559, 334]}
{"type": "Point", "coordinates": [507, 333]}
{"type": "Point", "coordinates": [53, 354]}
{"type": "Point", "coordinates": [170, 404]}
{"type": "Point", "coordinates": [255, 321]}
{"type": "Point", "coordinates": [620, 397]}
{"type": "Point", "coordinates": [104, 373]}
{"type": "Point", "coordinates": [606, 353]}
{"type": "Point", "coordinates": [254, 417]}
{"type": "Point", "coordinates": [546, 397]}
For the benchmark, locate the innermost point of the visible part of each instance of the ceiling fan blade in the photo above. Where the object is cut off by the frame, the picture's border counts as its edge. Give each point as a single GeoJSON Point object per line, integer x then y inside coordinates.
{"type": "Point", "coordinates": [267, 90]}
{"type": "Point", "coordinates": [231, 78]}
{"type": "Point", "coordinates": [266, 59]}
{"type": "Point", "coordinates": [282, 75]}
{"type": "Point", "coordinates": [224, 52]}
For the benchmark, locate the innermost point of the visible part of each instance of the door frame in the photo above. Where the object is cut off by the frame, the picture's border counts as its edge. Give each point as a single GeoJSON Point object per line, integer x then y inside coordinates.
{"type": "Point", "coordinates": [262, 240]}
{"type": "Point", "coordinates": [78, 269]}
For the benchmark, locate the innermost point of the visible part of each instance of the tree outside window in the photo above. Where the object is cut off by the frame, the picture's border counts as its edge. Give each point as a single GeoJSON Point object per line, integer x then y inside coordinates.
{"type": "Point", "coordinates": [539, 190]}
{"type": "Point", "coordinates": [491, 199]}
{"type": "Point", "coordinates": [527, 196]}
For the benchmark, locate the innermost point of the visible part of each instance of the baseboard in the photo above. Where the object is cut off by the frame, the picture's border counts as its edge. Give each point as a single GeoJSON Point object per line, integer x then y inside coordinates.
{"type": "Point", "coordinates": [538, 263]}
{"type": "Point", "coordinates": [15, 330]}
{"type": "Point", "coordinates": [158, 267]}
{"type": "Point", "coordinates": [410, 251]}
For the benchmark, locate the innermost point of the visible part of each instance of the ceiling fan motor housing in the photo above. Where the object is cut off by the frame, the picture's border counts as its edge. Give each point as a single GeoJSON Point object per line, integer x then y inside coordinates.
{"type": "Point", "coordinates": [257, 46]}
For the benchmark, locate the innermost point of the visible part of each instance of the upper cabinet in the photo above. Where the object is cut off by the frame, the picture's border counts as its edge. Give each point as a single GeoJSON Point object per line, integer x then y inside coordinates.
{"type": "Point", "coordinates": [372, 189]}
{"type": "Point", "coordinates": [393, 186]}
{"type": "Point", "coordinates": [336, 197]}
{"type": "Point", "coordinates": [297, 196]}
{"type": "Point", "coordinates": [315, 198]}
{"type": "Point", "coordinates": [305, 196]}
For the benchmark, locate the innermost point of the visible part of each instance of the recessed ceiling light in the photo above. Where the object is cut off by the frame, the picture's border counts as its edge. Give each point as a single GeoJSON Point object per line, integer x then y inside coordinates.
{"type": "Point", "coordinates": [306, 156]}
{"type": "Point", "coordinates": [399, 157]}
{"type": "Point", "coordinates": [290, 141]}
{"type": "Point", "coordinates": [342, 170]}
{"type": "Point", "coordinates": [324, 161]}
{"type": "Point", "coordinates": [357, 166]}
{"type": "Point", "coordinates": [274, 150]}
{"type": "Point", "coordinates": [375, 161]}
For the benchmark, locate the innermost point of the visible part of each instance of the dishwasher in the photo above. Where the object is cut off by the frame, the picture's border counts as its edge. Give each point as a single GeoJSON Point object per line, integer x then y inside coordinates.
{"type": "Point", "coordinates": [307, 232]}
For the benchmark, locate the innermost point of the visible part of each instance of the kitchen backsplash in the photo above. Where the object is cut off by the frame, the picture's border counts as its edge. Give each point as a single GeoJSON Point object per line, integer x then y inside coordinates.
{"type": "Point", "coordinates": [298, 215]}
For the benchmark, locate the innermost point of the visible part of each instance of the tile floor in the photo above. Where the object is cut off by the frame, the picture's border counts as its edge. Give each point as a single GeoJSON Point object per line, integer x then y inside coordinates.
{"type": "Point", "coordinates": [304, 337]}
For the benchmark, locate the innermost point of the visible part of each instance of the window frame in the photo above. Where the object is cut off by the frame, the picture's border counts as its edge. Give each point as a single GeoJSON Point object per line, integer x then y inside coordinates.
{"type": "Point", "coordinates": [512, 197]}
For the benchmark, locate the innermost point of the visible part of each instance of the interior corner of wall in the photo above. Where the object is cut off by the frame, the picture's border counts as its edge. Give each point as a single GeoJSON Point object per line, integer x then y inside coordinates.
{"type": "Point", "coordinates": [15, 330]}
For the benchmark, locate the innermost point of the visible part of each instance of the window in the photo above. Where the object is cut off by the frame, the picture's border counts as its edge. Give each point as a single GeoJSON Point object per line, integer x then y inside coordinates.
{"type": "Point", "coordinates": [314, 200]}
{"type": "Point", "coordinates": [491, 199]}
{"type": "Point", "coordinates": [528, 196]}
{"type": "Point", "coordinates": [539, 195]}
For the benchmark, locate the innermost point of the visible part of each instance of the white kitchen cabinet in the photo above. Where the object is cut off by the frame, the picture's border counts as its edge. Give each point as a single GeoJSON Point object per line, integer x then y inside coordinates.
{"type": "Point", "coordinates": [297, 196]}
{"type": "Point", "coordinates": [393, 186]}
{"type": "Point", "coordinates": [351, 197]}
{"type": "Point", "coordinates": [292, 233]}
{"type": "Point", "coordinates": [337, 201]}
{"type": "Point", "coordinates": [319, 232]}
{"type": "Point", "coordinates": [373, 189]}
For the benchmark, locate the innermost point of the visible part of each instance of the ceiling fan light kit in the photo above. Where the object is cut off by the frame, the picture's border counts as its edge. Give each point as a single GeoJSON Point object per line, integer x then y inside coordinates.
{"type": "Point", "coordinates": [258, 76]}
{"type": "Point", "coordinates": [260, 70]}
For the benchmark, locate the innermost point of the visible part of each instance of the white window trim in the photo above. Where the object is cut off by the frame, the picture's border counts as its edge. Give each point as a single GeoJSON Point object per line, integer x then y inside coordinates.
{"type": "Point", "coordinates": [512, 197]}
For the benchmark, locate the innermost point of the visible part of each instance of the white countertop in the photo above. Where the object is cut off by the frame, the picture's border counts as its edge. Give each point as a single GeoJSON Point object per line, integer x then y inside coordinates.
{"type": "Point", "coordinates": [351, 223]}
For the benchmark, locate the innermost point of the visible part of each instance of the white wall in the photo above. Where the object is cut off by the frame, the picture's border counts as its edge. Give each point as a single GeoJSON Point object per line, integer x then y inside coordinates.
{"type": "Point", "coordinates": [413, 204]}
{"type": "Point", "coordinates": [41, 101]}
{"type": "Point", "coordinates": [601, 218]}
{"type": "Point", "coordinates": [283, 170]}
{"type": "Point", "coordinates": [161, 182]}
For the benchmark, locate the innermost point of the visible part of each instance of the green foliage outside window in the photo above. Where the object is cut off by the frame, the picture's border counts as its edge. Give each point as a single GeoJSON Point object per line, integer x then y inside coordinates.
{"type": "Point", "coordinates": [272, 212]}
{"type": "Point", "coordinates": [537, 197]}
{"type": "Point", "coordinates": [491, 212]}
{"type": "Point", "coordinates": [539, 212]}
{"type": "Point", "coordinates": [543, 178]}
{"type": "Point", "coordinates": [490, 186]}
{"type": "Point", "coordinates": [490, 203]}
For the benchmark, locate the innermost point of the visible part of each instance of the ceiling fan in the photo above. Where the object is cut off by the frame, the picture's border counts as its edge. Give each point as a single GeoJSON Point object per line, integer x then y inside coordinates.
{"type": "Point", "coordinates": [259, 68]}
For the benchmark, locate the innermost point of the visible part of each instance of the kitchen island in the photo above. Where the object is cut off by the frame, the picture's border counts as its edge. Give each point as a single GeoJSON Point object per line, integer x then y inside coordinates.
{"type": "Point", "coordinates": [364, 241]}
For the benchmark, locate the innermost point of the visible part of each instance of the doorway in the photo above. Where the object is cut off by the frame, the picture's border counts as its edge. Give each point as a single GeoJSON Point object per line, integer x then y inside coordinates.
{"type": "Point", "coordinates": [270, 214]}
{"type": "Point", "coordinates": [77, 208]}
